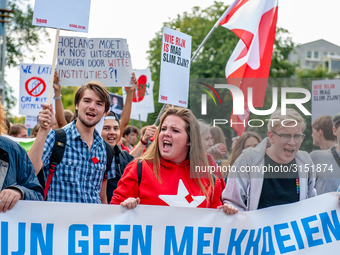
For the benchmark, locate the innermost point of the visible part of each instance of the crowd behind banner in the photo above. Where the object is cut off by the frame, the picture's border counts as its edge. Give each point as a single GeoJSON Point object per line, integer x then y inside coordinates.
{"type": "Point", "coordinates": [182, 162]}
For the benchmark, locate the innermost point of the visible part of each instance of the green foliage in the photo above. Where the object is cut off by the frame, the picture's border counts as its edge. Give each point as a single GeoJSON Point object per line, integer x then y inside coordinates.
{"type": "Point", "coordinates": [68, 97]}
{"type": "Point", "coordinates": [15, 119]}
{"type": "Point", "coordinates": [318, 72]}
{"type": "Point", "coordinates": [212, 58]}
{"type": "Point", "coordinates": [22, 42]}
{"type": "Point", "coordinates": [280, 66]}
{"type": "Point", "coordinates": [9, 98]}
{"type": "Point", "coordinates": [22, 38]}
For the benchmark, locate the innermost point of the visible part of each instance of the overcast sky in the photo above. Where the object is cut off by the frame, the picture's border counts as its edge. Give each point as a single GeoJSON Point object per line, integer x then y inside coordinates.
{"type": "Point", "coordinates": [138, 21]}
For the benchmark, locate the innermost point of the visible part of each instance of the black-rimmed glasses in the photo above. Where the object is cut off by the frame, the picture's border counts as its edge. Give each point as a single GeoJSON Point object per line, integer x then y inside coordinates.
{"type": "Point", "coordinates": [285, 138]}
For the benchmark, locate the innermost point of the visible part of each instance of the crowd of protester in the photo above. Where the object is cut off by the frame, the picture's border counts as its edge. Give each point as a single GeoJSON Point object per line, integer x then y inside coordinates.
{"type": "Point", "coordinates": [117, 167]}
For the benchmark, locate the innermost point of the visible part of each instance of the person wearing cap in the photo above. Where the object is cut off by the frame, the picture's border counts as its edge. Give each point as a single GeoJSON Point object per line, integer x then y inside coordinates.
{"type": "Point", "coordinates": [270, 174]}
{"type": "Point", "coordinates": [112, 131]}
{"type": "Point", "coordinates": [327, 163]}
{"type": "Point", "coordinates": [111, 134]}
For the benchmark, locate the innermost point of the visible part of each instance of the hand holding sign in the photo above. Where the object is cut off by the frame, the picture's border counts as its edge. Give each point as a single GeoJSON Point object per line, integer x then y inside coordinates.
{"type": "Point", "coordinates": [46, 117]}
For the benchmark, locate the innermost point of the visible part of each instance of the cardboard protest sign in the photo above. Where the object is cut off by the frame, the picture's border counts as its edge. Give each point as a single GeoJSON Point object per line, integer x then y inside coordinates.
{"type": "Point", "coordinates": [142, 101]}
{"type": "Point", "coordinates": [326, 98]}
{"type": "Point", "coordinates": [117, 104]}
{"type": "Point", "coordinates": [81, 60]}
{"type": "Point", "coordinates": [60, 228]}
{"type": "Point", "coordinates": [31, 121]}
{"type": "Point", "coordinates": [34, 86]}
{"type": "Point", "coordinates": [175, 68]}
{"type": "Point", "coordinates": [65, 14]}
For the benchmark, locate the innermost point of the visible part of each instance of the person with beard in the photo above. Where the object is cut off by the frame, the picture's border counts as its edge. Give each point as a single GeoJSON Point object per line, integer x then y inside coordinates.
{"type": "Point", "coordinates": [80, 175]}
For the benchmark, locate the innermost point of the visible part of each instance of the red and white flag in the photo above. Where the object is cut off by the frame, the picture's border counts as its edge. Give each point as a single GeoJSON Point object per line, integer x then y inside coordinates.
{"type": "Point", "coordinates": [254, 22]}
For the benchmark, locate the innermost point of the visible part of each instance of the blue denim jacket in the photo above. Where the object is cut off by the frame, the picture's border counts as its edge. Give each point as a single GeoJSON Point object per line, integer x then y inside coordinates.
{"type": "Point", "coordinates": [17, 172]}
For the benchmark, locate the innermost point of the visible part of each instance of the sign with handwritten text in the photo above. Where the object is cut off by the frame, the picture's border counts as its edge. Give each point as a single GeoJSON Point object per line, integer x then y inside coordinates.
{"type": "Point", "coordinates": [81, 60]}
{"type": "Point", "coordinates": [34, 80]}
{"type": "Point", "coordinates": [326, 98]}
{"type": "Point", "coordinates": [65, 14]}
{"type": "Point", "coordinates": [175, 68]}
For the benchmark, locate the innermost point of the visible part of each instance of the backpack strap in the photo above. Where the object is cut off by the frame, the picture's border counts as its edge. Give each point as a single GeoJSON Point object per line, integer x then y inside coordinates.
{"type": "Point", "coordinates": [109, 154]}
{"type": "Point", "coordinates": [139, 171]}
{"type": "Point", "coordinates": [336, 155]}
{"type": "Point", "coordinates": [56, 156]}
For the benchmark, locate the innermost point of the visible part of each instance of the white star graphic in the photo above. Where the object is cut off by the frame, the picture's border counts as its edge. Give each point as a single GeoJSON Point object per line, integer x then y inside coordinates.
{"type": "Point", "coordinates": [183, 198]}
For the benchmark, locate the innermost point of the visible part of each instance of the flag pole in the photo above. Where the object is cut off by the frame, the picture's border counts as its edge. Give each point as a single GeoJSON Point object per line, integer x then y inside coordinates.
{"type": "Point", "coordinates": [203, 42]}
{"type": "Point", "coordinates": [213, 28]}
{"type": "Point", "coordinates": [55, 53]}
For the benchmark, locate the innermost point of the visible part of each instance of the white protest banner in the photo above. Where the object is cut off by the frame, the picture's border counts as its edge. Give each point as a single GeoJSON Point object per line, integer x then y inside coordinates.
{"type": "Point", "coordinates": [34, 86]}
{"type": "Point", "coordinates": [65, 14]}
{"type": "Point", "coordinates": [81, 60]}
{"type": "Point", "coordinates": [326, 98]}
{"type": "Point", "coordinates": [73, 228]}
{"type": "Point", "coordinates": [175, 68]}
{"type": "Point", "coordinates": [142, 101]}
{"type": "Point", "coordinates": [26, 143]}
{"type": "Point", "coordinates": [31, 121]}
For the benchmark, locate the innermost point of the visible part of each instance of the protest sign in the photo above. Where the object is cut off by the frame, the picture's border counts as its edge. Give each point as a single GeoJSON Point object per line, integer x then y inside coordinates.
{"type": "Point", "coordinates": [81, 60]}
{"type": "Point", "coordinates": [65, 14]}
{"type": "Point", "coordinates": [326, 98]}
{"type": "Point", "coordinates": [142, 117]}
{"type": "Point", "coordinates": [175, 68]}
{"type": "Point", "coordinates": [34, 80]}
{"type": "Point", "coordinates": [31, 121]}
{"type": "Point", "coordinates": [73, 228]}
{"type": "Point", "coordinates": [142, 101]}
{"type": "Point", "coordinates": [117, 104]}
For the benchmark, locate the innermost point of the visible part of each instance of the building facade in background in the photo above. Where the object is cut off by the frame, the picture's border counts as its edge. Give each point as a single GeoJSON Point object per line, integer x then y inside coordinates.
{"type": "Point", "coordinates": [319, 53]}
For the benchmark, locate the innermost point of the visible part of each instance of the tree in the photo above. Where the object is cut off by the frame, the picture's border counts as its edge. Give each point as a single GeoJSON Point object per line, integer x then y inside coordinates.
{"type": "Point", "coordinates": [22, 41]}
{"type": "Point", "coordinates": [210, 62]}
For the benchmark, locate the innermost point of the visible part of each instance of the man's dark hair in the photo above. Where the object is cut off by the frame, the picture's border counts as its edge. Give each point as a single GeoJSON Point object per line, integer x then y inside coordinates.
{"type": "Point", "coordinates": [98, 88]}
{"type": "Point", "coordinates": [127, 130]}
{"type": "Point", "coordinates": [113, 115]}
{"type": "Point", "coordinates": [325, 124]}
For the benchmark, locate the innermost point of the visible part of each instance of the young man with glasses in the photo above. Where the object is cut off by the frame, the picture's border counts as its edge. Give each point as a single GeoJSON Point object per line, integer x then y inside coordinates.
{"type": "Point", "coordinates": [275, 172]}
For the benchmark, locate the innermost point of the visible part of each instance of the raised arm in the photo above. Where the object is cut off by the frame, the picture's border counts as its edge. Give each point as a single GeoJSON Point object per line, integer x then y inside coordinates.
{"type": "Point", "coordinates": [138, 150]}
{"type": "Point", "coordinates": [59, 108]}
{"type": "Point", "coordinates": [125, 116]}
{"type": "Point", "coordinates": [46, 119]}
